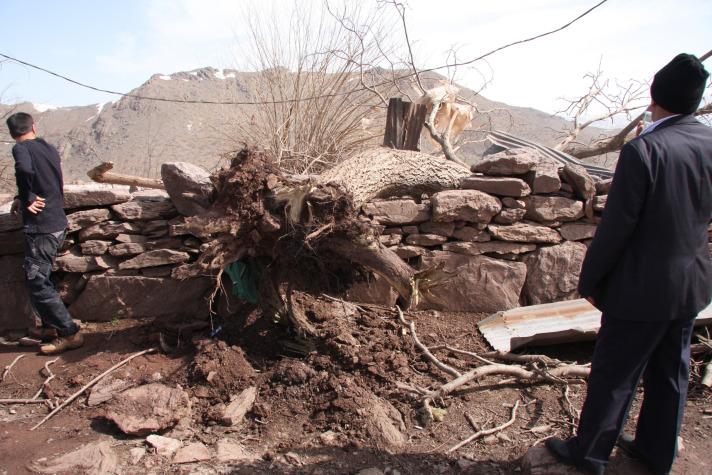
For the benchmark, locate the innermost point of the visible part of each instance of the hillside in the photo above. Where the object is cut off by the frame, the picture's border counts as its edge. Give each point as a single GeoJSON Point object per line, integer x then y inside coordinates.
{"type": "Point", "coordinates": [139, 135]}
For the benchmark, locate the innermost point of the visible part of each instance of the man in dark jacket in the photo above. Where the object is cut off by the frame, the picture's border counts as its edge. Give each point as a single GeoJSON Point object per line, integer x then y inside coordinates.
{"type": "Point", "coordinates": [649, 271]}
{"type": "Point", "coordinates": [41, 198]}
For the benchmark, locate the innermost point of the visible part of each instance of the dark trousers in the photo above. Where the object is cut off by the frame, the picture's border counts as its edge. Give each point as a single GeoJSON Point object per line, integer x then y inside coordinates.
{"type": "Point", "coordinates": [625, 351]}
{"type": "Point", "coordinates": [40, 252]}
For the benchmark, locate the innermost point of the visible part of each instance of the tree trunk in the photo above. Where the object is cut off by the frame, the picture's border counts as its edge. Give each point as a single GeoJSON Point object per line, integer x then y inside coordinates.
{"type": "Point", "coordinates": [382, 172]}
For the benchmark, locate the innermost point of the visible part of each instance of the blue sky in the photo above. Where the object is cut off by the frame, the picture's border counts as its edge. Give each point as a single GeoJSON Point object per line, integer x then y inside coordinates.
{"type": "Point", "coordinates": [119, 45]}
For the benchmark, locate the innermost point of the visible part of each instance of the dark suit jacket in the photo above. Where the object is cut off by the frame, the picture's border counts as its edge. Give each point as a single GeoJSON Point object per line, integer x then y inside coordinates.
{"type": "Point", "coordinates": [650, 258]}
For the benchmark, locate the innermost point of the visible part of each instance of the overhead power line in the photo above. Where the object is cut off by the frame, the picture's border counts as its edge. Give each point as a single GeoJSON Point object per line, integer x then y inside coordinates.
{"type": "Point", "coordinates": [302, 99]}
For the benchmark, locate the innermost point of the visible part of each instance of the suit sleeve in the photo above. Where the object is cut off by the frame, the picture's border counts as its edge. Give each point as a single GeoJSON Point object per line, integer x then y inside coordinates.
{"type": "Point", "coordinates": [24, 175]}
{"type": "Point", "coordinates": [620, 218]}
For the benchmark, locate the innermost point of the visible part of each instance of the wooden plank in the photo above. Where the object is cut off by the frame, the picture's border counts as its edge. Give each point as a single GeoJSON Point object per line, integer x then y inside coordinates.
{"type": "Point", "coordinates": [559, 322]}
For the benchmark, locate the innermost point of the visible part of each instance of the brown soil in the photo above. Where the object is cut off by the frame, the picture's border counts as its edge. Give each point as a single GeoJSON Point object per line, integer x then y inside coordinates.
{"type": "Point", "coordinates": [335, 409]}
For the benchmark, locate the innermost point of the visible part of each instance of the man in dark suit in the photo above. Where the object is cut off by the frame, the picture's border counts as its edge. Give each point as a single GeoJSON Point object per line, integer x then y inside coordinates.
{"type": "Point", "coordinates": [649, 271]}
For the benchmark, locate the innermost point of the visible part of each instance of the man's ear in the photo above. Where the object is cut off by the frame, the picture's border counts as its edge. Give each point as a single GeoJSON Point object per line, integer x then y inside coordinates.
{"type": "Point", "coordinates": [34, 131]}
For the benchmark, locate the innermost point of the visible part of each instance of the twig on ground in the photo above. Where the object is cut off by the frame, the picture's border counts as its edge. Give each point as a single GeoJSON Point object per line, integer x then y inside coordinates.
{"type": "Point", "coordinates": [462, 352]}
{"type": "Point", "coordinates": [573, 413]}
{"type": "Point", "coordinates": [24, 401]}
{"type": "Point", "coordinates": [411, 326]}
{"type": "Point", "coordinates": [9, 367]}
{"type": "Point", "coordinates": [485, 432]}
{"type": "Point", "coordinates": [50, 377]}
{"type": "Point", "coordinates": [90, 384]}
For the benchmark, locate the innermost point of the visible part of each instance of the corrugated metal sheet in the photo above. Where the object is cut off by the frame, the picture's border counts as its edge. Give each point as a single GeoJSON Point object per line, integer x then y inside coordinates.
{"type": "Point", "coordinates": [559, 322]}
{"type": "Point", "coordinates": [505, 141]}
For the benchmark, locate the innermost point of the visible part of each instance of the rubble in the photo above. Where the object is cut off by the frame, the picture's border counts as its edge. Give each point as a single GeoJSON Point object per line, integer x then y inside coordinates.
{"type": "Point", "coordinates": [149, 408]}
{"type": "Point", "coordinates": [238, 407]}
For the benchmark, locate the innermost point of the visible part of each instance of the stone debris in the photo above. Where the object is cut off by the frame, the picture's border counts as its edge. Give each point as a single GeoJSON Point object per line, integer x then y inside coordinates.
{"type": "Point", "coordinates": [195, 452]}
{"type": "Point", "coordinates": [165, 446]}
{"type": "Point", "coordinates": [95, 458]}
{"type": "Point", "coordinates": [149, 408]}
{"type": "Point", "coordinates": [499, 186]}
{"type": "Point", "coordinates": [87, 217]}
{"type": "Point", "coordinates": [397, 212]}
{"type": "Point", "coordinates": [145, 210]}
{"type": "Point", "coordinates": [552, 272]}
{"type": "Point", "coordinates": [235, 412]}
{"type": "Point", "coordinates": [159, 257]}
{"type": "Point", "coordinates": [523, 232]}
{"type": "Point", "coordinates": [464, 205]}
{"type": "Point", "coordinates": [231, 451]}
{"type": "Point", "coordinates": [94, 248]}
{"type": "Point", "coordinates": [543, 209]}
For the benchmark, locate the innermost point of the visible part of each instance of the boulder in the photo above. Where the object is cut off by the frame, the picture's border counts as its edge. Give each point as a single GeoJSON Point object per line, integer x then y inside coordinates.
{"type": "Point", "coordinates": [158, 257]}
{"type": "Point", "coordinates": [441, 229]}
{"type": "Point", "coordinates": [195, 452]}
{"type": "Point", "coordinates": [106, 297]}
{"type": "Point", "coordinates": [492, 247]}
{"type": "Point", "coordinates": [87, 217]}
{"type": "Point", "coordinates": [553, 272]}
{"type": "Point", "coordinates": [240, 405]}
{"type": "Point", "coordinates": [145, 210]}
{"type": "Point", "coordinates": [189, 187]}
{"type": "Point", "coordinates": [523, 232]}
{"type": "Point", "coordinates": [397, 212]}
{"type": "Point", "coordinates": [577, 231]}
{"type": "Point", "coordinates": [545, 178]}
{"type": "Point", "coordinates": [464, 205]}
{"type": "Point", "coordinates": [108, 230]}
{"type": "Point", "coordinates": [579, 179]}
{"type": "Point", "coordinates": [94, 195]}
{"type": "Point", "coordinates": [545, 209]}
{"type": "Point", "coordinates": [165, 446]}
{"type": "Point", "coordinates": [149, 408]}
{"type": "Point", "coordinates": [12, 242]}
{"type": "Point", "coordinates": [474, 283]}
{"type": "Point", "coordinates": [426, 240]}
{"type": "Point", "coordinates": [504, 186]}
{"type": "Point", "coordinates": [94, 247]}
{"type": "Point", "coordinates": [517, 161]}
{"type": "Point", "coordinates": [471, 234]}
{"type": "Point", "coordinates": [510, 216]}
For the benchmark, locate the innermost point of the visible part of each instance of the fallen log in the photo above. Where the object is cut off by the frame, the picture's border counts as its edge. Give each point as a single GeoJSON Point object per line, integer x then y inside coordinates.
{"type": "Point", "coordinates": [102, 174]}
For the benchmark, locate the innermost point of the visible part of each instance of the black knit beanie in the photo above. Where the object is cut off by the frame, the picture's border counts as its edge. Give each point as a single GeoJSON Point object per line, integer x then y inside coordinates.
{"type": "Point", "coordinates": [679, 86]}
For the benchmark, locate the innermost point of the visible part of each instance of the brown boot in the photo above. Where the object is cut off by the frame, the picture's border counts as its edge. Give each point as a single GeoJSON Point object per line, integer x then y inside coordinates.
{"type": "Point", "coordinates": [44, 334]}
{"type": "Point", "coordinates": [62, 344]}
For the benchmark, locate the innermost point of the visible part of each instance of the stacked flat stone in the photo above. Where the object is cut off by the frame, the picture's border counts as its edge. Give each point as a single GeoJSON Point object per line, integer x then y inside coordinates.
{"type": "Point", "coordinates": [514, 233]}
{"type": "Point", "coordinates": [118, 254]}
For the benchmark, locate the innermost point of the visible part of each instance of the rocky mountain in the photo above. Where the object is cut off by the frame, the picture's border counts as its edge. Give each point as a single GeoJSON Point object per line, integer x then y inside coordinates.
{"type": "Point", "coordinates": [138, 135]}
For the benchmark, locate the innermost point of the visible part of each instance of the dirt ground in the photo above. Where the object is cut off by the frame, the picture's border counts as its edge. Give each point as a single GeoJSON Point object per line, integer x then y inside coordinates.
{"type": "Point", "coordinates": [319, 410]}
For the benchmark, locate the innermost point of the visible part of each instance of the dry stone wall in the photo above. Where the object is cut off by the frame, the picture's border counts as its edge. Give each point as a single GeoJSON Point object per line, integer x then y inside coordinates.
{"type": "Point", "coordinates": [515, 233]}
{"type": "Point", "coordinates": [116, 260]}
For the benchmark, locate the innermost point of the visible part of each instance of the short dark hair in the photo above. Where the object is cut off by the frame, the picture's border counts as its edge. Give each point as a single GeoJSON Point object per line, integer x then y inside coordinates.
{"type": "Point", "coordinates": [19, 124]}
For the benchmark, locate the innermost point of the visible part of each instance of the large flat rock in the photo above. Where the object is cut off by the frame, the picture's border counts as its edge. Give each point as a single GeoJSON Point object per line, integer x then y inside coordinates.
{"type": "Point", "coordinates": [145, 210]}
{"type": "Point", "coordinates": [107, 297]}
{"type": "Point", "coordinates": [500, 186]}
{"type": "Point", "coordinates": [87, 217]}
{"type": "Point", "coordinates": [94, 195]}
{"type": "Point", "coordinates": [148, 409]}
{"type": "Point", "coordinates": [155, 258]}
{"type": "Point", "coordinates": [474, 283]}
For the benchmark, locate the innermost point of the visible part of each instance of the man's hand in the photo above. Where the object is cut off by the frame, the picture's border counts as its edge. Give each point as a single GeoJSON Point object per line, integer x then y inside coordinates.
{"type": "Point", "coordinates": [15, 208]}
{"type": "Point", "coordinates": [36, 206]}
{"type": "Point", "coordinates": [639, 128]}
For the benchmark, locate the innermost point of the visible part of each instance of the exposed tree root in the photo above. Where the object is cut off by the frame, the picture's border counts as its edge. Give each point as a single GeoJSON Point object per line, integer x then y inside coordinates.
{"type": "Point", "coordinates": [485, 432]}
